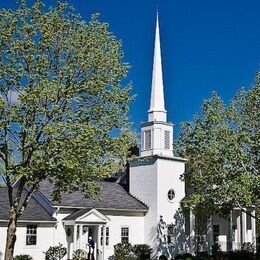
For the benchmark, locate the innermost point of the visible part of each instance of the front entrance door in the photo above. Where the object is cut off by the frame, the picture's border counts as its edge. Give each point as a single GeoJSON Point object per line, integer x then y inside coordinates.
{"type": "Point", "coordinates": [93, 233]}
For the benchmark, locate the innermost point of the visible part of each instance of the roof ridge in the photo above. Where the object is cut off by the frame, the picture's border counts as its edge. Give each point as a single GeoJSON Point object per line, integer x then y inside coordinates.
{"type": "Point", "coordinates": [33, 211]}
{"type": "Point", "coordinates": [43, 207]}
{"type": "Point", "coordinates": [37, 201]}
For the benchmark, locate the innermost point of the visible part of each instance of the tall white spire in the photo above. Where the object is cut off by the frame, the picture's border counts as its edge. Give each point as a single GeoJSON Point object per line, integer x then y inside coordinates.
{"type": "Point", "coordinates": [157, 110]}
{"type": "Point", "coordinates": [157, 134]}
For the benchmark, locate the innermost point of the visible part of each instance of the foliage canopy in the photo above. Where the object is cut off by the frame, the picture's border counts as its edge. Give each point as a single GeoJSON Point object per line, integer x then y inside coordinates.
{"type": "Point", "coordinates": [63, 110]}
{"type": "Point", "coordinates": [222, 146]}
{"type": "Point", "coordinates": [63, 107]}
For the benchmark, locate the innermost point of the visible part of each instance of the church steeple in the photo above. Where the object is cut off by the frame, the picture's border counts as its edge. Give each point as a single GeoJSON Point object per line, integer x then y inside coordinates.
{"type": "Point", "coordinates": [157, 134]}
{"type": "Point", "coordinates": [157, 110]}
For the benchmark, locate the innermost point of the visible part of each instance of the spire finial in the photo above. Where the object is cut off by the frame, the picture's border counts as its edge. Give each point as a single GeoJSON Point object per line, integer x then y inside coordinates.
{"type": "Point", "coordinates": [157, 110]}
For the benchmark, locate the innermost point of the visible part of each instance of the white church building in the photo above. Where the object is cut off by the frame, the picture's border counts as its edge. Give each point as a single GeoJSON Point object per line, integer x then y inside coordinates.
{"type": "Point", "coordinates": [147, 212]}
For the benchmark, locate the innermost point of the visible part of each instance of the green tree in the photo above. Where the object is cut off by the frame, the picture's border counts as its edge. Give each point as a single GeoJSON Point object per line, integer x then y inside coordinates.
{"type": "Point", "coordinates": [222, 146]}
{"type": "Point", "coordinates": [63, 107]}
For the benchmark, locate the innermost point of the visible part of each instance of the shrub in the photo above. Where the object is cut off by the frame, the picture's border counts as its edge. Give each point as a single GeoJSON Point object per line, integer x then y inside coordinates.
{"type": "Point", "coordinates": [203, 255]}
{"type": "Point", "coordinates": [55, 252]}
{"type": "Point", "coordinates": [185, 256]}
{"type": "Point", "coordinates": [142, 251]}
{"type": "Point", "coordinates": [79, 255]}
{"type": "Point", "coordinates": [248, 247]}
{"type": "Point", "coordinates": [240, 255]}
{"type": "Point", "coordinates": [163, 257]}
{"type": "Point", "coordinates": [216, 249]}
{"type": "Point", "coordinates": [131, 256]}
{"type": "Point", "coordinates": [23, 257]}
{"type": "Point", "coordinates": [122, 251]}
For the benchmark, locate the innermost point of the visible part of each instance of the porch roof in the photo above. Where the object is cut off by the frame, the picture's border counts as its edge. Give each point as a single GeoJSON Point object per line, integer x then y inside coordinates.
{"type": "Point", "coordinates": [87, 216]}
{"type": "Point", "coordinates": [77, 214]}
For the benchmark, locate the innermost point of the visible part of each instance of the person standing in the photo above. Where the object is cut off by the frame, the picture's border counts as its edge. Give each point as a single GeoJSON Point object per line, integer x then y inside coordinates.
{"type": "Point", "coordinates": [91, 246]}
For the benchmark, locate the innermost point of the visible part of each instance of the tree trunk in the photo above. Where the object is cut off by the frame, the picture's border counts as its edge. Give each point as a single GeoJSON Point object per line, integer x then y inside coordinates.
{"type": "Point", "coordinates": [11, 236]}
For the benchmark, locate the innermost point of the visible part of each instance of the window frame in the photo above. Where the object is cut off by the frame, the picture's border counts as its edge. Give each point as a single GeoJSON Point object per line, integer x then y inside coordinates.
{"type": "Point", "coordinates": [101, 236]}
{"type": "Point", "coordinates": [171, 199]}
{"type": "Point", "coordinates": [31, 232]}
{"type": "Point", "coordinates": [125, 236]}
{"type": "Point", "coordinates": [104, 235]}
{"type": "Point", "coordinates": [107, 233]}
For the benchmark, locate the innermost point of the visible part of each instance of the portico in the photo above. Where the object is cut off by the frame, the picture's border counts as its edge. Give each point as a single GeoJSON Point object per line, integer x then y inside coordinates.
{"type": "Point", "coordinates": [80, 226]}
{"type": "Point", "coordinates": [230, 233]}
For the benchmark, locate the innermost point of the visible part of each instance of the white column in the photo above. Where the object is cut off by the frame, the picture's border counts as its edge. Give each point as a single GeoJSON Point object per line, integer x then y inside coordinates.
{"type": "Point", "coordinates": [75, 237]}
{"type": "Point", "coordinates": [86, 236]}
{"type": "Point", "coordinates": [210, 234]}
{"type": "Point", "coordinates": [96, 243]}
{"type": "Point", "coordinates": [80, 235]}
{"type": "Point", "coordinates": [192, 232]}
{"type": "Point", "coordinates": [104, 242]}
{"type": "Point", "coordinates": [239, 230]}
{"type": "Point", "coordinates": [253, 229]}
{"type": "Point", "coordinates": [244, 231]}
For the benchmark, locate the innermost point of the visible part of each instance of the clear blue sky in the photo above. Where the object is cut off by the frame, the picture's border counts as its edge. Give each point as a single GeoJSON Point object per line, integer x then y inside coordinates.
{"type": "Point", "coordinates": [206, 46]}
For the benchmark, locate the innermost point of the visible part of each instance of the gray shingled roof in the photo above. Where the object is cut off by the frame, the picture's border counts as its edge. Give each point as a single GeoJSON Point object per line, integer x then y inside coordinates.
{"type": "Point", "coordinates": [33, 212]}
{"type": "Point", "coordinates": [112, 196]}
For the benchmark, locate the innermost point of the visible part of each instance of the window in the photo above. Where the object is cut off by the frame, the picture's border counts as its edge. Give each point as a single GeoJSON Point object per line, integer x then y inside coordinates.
{"type": "Point", "coordinates": [171, 195]}
{"type": "Point", "coordinates": [248, 222]}
{"type": "Point", "coordinates": [31, 235]}
{"type": "Point", "coordinates": [147, 140]}
{"type": "Point", "coordinates": [170, 234]}
{"type": "Point", "coordinates": [106, 236]}
{"type": "Point", "coordinates": [234, 228]}
{"type": "Point", "coordinates": [102, 236]}
{"type": "Point", "coordinates": [124, 235]}
{"type": "Point", "coordinates": [215, 233]}
{"type": "Point", "coordinates": [167, 140]}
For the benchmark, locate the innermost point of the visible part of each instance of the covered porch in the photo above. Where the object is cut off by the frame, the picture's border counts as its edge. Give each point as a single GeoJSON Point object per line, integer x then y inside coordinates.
{"type": "Point", "coordinates": [230, 233]}
{"type": "Point", "coordinates": [81, 225]}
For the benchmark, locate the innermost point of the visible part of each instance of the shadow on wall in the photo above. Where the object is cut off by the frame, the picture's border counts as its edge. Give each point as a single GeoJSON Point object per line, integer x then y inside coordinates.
{"type": "Point", "coordinates": [153, 241]}
{"type": "Point", "coordinates": [171, 237]}
{"type": "Point", "coordinates": [1, 255]}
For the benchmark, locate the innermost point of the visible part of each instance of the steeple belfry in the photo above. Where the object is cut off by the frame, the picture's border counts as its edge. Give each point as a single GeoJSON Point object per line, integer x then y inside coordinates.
{"type": "Point", "coordinates": [157, 133]}
{"type": "Point", "coordinates": [157, 110]}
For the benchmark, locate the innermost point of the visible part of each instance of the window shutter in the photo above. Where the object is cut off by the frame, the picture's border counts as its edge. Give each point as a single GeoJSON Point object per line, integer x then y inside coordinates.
{"type": "Point", "coordinates": [167, 140]}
